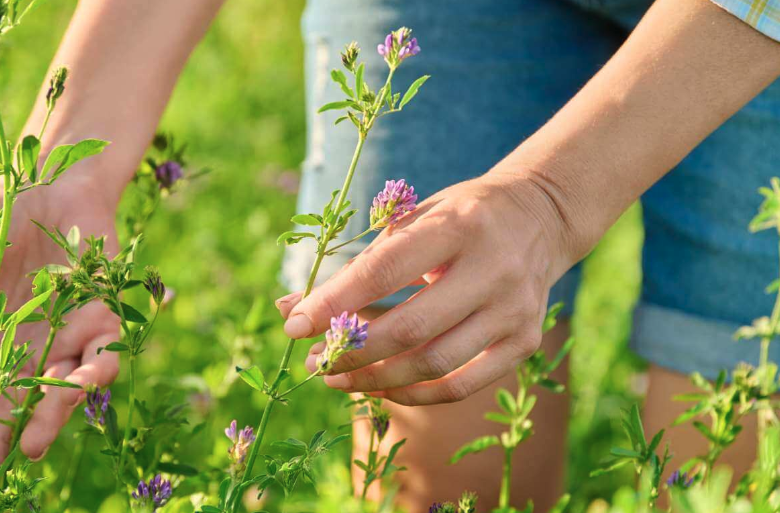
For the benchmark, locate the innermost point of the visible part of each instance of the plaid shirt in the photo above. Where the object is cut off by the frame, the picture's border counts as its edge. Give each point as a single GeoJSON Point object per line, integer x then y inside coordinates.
{"type": "Point", "coordinates": [763, 15]}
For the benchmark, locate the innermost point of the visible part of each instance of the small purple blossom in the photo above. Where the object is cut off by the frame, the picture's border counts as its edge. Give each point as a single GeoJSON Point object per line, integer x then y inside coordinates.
{"type": "Point", "coordinates": [345, 334]}
{"type": "Point", "coordinates": [381, 425]}
{"type": "Point", "coordinates": [392, 202]}
{"type": "Point", "coordinates": [168, 173]}
{"type": "Point", "coordinates": [679, 479]}
{"type": "Point", "coordinates": [242, 441]}
{"type": "Point", "coordinates": [442, 507]}
{"type": "Point", "coordinates": [97, 406]}
{"type": "Point", "coordinates": [154, 494]}
{"type": "Point", "coordinates": [398, 45]}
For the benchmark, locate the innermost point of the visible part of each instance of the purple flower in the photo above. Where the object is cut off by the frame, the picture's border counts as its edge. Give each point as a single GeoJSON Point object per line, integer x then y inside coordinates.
{"type": "Point", "coordinates": [168, 173]}
{"type": "Point", "coordinates": [439, 507]}
{"type": "Point", "coordinates": [154, 285]}
{"type": "Point", "coordinates": [679, 479]}
{"type": "Point", "coordinates": [398, 46]}
{"type": "Point", "coordinates": [395, 200]}
{"type": "Point", "coordinates": [242, 441]}
{"type": "Point", "coordinates": [345, 334]}
{"type": "Point", "coordinates": [381, 425]}
{"type": "Point", "coordinates": [154, 494]}
{"type": "Point", "coordinates": [97, 406]}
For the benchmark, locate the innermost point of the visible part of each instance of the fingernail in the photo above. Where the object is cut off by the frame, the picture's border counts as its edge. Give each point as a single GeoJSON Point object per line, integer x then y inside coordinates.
{"type": "Point", "coordinates": [298, 326]}
{"type": "Point", "coordinates": [286, 299]}
{"type": "Point", "coordinates": [339, 381]}
{"type": "Point", "coordinates": [42, 455]}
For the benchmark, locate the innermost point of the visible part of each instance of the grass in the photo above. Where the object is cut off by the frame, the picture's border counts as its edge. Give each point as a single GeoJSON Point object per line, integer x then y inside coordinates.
{"type": "Point", "coordinates": [239, 106]}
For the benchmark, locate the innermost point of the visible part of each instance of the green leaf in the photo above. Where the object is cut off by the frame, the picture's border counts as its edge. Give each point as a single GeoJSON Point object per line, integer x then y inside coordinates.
{"type": "Point", "coordinates": [389, 467]}
{"type": "Point", "coordinates": [475, 446]}
{"type": "Point", "coordinates": [291, 444]}
{"type": "Point", "coordinates": [610, 467]}
{"type": "Point", "coordinates": [7, 344]}
{"type": "Point", "coordinates": [335, 440]}
{"type": "Point", "coordinates": [339, 77]}
{"type": "Point", "coordinates": [26, 309]}
{"type": "Point", "coordinates": [131, 314]}
{"type": "Point", "coordinates": [73, 238]}
{"type": "Point", "coordinates": [359, 81]}
{"type": "Point", "coordinates": [306, 219]}
{"type": "Point", "coordinates": [289, 238]}
{"type": "Point", "coordinates": [252, 376]}
{"type": "Point", "coordinates": [551, 318]}
{"type": "Point", "coordinates": [115, 347]}
{"type": "Point", "coordinates": [337, 105]}
{"type": "Point", "coordinates": [412, 91]}
{"type": "Point", "coordinates": [30, 149]}
{"type": "Point", "coordinates": [55, 159]}
{"type": "Point", "coordinates": [624, 453]}
{"type": "Point", "coordinates": [43, 380]}
{"type": "Point", "coordinates": [552, 385]}
{"type": "Point", "coordinates": [80, 151]}
{"type": "Point", "coordinates": [506, 400]}
{"type": "Point", "coordinates": [42, 283]}
{"type": "Point", "coordinates": [493, 416]}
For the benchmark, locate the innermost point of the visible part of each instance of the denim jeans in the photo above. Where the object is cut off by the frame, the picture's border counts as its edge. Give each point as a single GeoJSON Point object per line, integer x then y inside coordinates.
{"type": "Point", "coordinates": [500, 69]}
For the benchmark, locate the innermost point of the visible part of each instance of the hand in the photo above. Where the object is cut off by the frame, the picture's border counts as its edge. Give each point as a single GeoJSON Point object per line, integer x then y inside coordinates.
{"type": "Point", "coordinates": [76, 199]}
{"type": "Point", "coordinates": [488, 249]}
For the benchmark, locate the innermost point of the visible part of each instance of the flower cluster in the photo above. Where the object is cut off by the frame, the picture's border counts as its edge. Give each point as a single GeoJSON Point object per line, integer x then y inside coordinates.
{"type": "Point", "coordinates": [398, 45]}
{"type": "Point", "coordinates": [242, 441]}
{"type": "Point", "coordinates": [442, 507]}
{"type": "Point", "coordinates": [154, 285]}
{"type": "Point", "coordinates": [392, 202]}
{"type": "Point", "coordinates": [97, 406]}
{"type": "Point", "coordinates": [56, 86]}
{"type": "Point", "coordinates": [152, 495]}
{"type": "Point", "coordinates": [168, 173]}
{"type": "Point", "coordinates": [350, 55]}
{"type": "Point", "coordinates": [679, 479]}
{"type": "Point", "coordinates": [345, 334]}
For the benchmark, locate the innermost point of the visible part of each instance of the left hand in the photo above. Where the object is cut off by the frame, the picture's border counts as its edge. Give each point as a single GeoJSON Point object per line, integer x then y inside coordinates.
{"type": "Point", "coordinates": [488, 251]}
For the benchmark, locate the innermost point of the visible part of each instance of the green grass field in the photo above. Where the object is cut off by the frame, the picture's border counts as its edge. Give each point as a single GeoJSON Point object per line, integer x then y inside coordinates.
{"type": "Point", "coordinates": [239, 106]}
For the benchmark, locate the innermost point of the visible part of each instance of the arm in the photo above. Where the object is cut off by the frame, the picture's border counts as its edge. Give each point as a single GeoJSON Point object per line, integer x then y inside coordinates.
{"type": "Point", "coordinates": [124, 58]}
{"type": "Point", "coordinates": [686, 68]}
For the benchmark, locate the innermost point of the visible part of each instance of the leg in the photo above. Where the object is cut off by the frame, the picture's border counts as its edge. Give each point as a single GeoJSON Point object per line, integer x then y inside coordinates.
{"type": "Point", "coordinates": [685, 442]}
{"type": "Point", "coordinates": [434, 433]}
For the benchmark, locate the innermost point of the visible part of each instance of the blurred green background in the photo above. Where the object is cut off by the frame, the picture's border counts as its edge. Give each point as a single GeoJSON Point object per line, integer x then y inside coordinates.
{"type": "Point", "coordinates": [239, 107]}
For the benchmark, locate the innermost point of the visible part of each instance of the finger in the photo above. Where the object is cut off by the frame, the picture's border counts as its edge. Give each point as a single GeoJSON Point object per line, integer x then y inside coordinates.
{"type": "Point", "coordinates": [436, 359]}
{"type": "Point", "coordinates": [93, 320]}
{"type": "Point", "coordinates": [50, 414]}
{"type": "Point", "coordinates": [286, 303]}
{"type": "Point", "coordinates": [426, 315]}
{"type": "Point", "coordinates": [490, 365]}
{"type": "Point", "coordinates": [398, 260]}
{"type": "Point", "coordinates": [95, 369]}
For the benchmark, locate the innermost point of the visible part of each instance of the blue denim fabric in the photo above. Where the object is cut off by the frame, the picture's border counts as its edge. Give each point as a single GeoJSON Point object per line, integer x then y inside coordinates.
{"type": "Point", "coordinates": [500, 69]}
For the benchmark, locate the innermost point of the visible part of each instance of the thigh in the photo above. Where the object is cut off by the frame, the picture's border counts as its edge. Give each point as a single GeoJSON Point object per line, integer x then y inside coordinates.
{"type": "Point", "coordinates": [434, 433]}
{"type": "Point", "coordinates": [685, 441]}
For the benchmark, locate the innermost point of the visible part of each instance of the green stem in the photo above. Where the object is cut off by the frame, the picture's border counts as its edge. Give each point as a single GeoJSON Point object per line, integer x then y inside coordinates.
{"type": "Point", "coordinates": [130, 410]}
{"type": "Point", "coordinates": [764, 408]}
{"type": "Point", "coordinates": [506, 480]}
{"type": "Point", "coordinates": [350, 241]}
{"type": "Point", "coordinates": [299, 385]}
{"type": "Point", "coordinates": [9, 188]}
{"type": "Point", "coordinates": [27, 404]}
{"type": "Point", "coordinates": [45, 122]}
{"type": "Point", "coordinates": [372, 461]}
{"type": "Point", "coordinates": [75, 462]}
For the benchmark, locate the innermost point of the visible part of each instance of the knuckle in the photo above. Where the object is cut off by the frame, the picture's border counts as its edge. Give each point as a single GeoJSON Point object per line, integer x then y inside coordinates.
{"type": "Point", "coordinates": [474, 215]}
{"type": "Point", "coordinates": [408, 330]}
{"type": "Point", "coordinates": [377, 276]}
{"type": "Point", "coordinates": [432, 365]}
{"type": "Point", "coordinates": [454, 390]}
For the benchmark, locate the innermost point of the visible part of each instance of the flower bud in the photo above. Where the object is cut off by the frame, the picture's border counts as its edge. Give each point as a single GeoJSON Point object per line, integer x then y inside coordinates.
{"type": "Point", "coordinates": [56, 86]}
{"type": "Point", "coordinates": [168, 173]}
{"type": "Point", "coordinates": [152, 495]}
{"type": "Point", "coordinates": [467, 503]}
{"type": "Point", "coordinates": [97, 406]}
{"type": "Point", "coordinates": [154, 285]}
{"type": "Point", "coordinates": [350, 55]}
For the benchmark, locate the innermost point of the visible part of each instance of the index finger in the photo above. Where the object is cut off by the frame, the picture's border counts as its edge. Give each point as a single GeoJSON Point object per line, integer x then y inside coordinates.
{"type": "Point", "coordinates": [390, 265]}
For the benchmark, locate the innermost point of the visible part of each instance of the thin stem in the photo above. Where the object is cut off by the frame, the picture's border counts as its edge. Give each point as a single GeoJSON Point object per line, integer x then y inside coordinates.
{"type": "Point", "coordinates": [45, 122]}
{"type": "Point", "coordinates": [28, 399]}
{"type": "Point", "coordinates": [9, 188]}
{"type": "Point", "coordinates": [765, 411]}
{"type": "Point", "coordinates": [130, 410]}
{"type": "Point", "coordinates": [506, 479]}
{"type": "Point", "coordinates": [299, 385]}
{"type": "Point", "coordinates": [75, 462]}
{"type": "Point", "coordinates": [371, 459]}
{"type": "Point", "coordinates": [353, 239]}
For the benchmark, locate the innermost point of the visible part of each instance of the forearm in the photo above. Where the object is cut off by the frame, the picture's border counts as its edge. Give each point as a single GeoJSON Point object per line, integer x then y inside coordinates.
{"type": "Point", "coordinates": [686, 69]}
{"type": "Point", "coordinates": [124, 58]}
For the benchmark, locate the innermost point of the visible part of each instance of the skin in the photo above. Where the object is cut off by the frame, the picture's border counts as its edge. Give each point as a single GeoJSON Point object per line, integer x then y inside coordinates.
{"type": "Point", "coordinates": [518, 228]}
